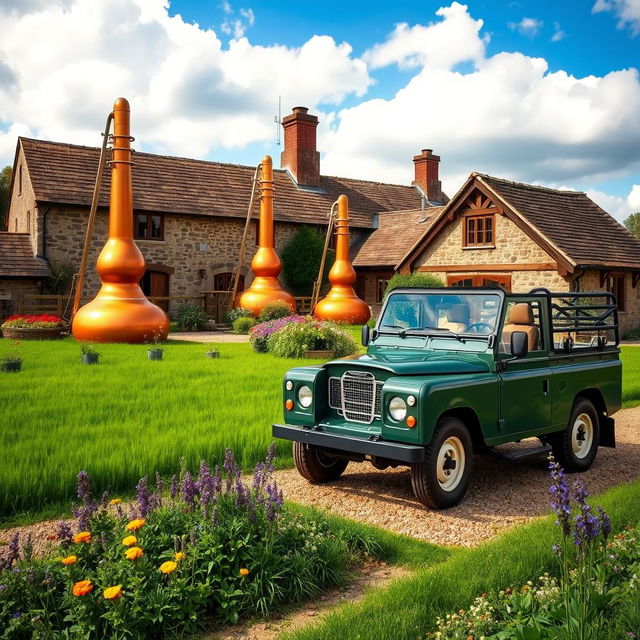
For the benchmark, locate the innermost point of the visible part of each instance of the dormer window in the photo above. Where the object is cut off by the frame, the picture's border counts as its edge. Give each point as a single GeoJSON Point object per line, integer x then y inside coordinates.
{"type": "Point", "coordinates": [479, 231]}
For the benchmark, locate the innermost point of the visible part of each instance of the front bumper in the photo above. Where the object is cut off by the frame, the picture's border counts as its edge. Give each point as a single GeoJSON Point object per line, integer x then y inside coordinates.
{"type": "Point", "coordinates": [381, 449]}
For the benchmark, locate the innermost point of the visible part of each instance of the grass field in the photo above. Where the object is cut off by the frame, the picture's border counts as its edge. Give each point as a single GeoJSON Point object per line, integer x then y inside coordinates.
{"type": "Point", "coordinates": [129, 416]}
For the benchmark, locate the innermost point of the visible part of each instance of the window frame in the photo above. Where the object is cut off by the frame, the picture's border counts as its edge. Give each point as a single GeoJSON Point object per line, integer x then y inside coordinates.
{"type": "Point", "coordinates": [149, 225]}
{"type": "Point", "coordinates": [474, 217]}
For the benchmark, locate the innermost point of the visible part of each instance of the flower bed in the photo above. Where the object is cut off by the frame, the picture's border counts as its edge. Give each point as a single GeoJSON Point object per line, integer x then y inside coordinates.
{"type": "Point", "coordinates": [208, 550]}
{"type": "Point", "coordinates": [32, 327]}
{"type": "Point", "coordinates": [259, 334]}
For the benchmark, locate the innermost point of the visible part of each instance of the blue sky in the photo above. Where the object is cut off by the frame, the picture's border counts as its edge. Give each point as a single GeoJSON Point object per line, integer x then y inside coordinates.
{"type": "Point", "coordinates": [543, 92]}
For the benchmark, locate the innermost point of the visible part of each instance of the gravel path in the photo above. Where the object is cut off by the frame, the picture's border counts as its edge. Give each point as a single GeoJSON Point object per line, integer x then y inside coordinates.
{"type": "Point", "coordinates": [502, 494]}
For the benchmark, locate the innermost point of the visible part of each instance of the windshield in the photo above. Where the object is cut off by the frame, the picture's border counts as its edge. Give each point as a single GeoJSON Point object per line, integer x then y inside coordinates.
{"type": "Point", "coordinates": [470, 313]}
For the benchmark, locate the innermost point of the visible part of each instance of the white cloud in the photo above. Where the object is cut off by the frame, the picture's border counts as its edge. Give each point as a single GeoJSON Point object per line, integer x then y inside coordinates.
{"type": "Point", "coordinates": [558, 33]}
{"type": "Point", "coordinates": [634, 198]}
{"type": "Point", "coordinates": [64, 63]}
{"type": "Point", "coordinates": [619, 207]}
{"type": "Point", "coordinates": [627, 12]}
{"type": "Point", "coordinates": [236, 26]}
{"type": "Point", "coordinates": [438, 45]}
{"type": "Point", "coordinates": [529, 27]}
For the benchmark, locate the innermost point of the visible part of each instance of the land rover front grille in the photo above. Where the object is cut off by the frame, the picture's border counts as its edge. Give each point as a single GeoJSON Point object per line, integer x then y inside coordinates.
{"type": "Point", "coordinates": [356, 396]}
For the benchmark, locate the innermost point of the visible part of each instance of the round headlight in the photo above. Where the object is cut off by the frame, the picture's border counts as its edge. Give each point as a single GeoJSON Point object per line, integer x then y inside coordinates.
{"type": "Point", "coordinates": [411, 400]}
{"type": "Point", "coordinates": [398, 408]}
{"type": "Point", "coordinates": [289, 385]}
{"type": "Point", "coordinates": [305, 396]}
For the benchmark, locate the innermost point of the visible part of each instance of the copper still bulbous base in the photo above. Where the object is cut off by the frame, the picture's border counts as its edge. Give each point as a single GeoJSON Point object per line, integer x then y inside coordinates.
{"type": "Point", "coordinates": [342, 305]}
{"type": "Point", "coordinates": [263, 291]}
{"type": "Point", "coordinates": [114, 319]}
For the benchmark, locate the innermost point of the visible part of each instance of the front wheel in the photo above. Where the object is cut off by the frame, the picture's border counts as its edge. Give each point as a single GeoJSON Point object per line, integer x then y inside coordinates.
{"type": "Point", "coordinates": [576, 447]}
{"type": "Point", "coordinates": [315, 465]}
{"type": "Point", "coordinates": [441, 480]}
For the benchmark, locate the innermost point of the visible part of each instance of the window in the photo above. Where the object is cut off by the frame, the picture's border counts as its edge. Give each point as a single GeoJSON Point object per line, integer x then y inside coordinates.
{"type": "Point", "coordinates": [478, 231]}
{"type": "Point", "coordinates": [149, 227]}
{"type": "Point", "coordinates": [489, 280]}
{"type": "Point", "coordinates": [20, 180]}
{"type": "Point", "coordinates": [381, 287]}
{"type": "Point", "coordinates": [222, 281]}
{"type": "Point", "coordinates": [615, 285]}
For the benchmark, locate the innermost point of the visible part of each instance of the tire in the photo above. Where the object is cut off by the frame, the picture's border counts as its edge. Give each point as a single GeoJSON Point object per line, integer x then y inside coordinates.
{"type": "Point", "coordinates": [576, 447]}
{"type": "Point", "coordinates": [433, 485]}
{"type": "Point", "coordinates": [316, 466]}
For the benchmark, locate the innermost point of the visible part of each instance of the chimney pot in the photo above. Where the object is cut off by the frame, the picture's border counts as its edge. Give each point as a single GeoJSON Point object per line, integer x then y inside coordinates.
{"type": "Point", "coordinates": [426, 175]}
{"type": "Point", "coordinates": [300, 156]}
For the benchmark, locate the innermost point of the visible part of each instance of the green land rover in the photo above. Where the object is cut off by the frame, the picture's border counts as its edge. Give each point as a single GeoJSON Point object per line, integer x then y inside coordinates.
{"type": "Point", "coordinates": [449, 372]}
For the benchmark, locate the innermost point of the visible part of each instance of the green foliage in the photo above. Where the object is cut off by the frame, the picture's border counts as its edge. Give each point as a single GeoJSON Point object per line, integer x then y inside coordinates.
{"type": "Point", "coordinates": [301, 261]}
{"type": "Point", "coordinates": [633, 224]}
{"type": "Point", "coordinates": [5, 186]}
{"type": "Point", "coordinates": [214, 550]}
{"type": "Point", "coordinates": [232, 315]}
{"type": "Point", "coordinates": [275, 310]}
{"type": "Point", "coordinates": [61, 278]}
{"type": "Point", "coordinates": [87, 349]}
{"type": "Point", "coordinates": [243, 324]}
{"type": "Point", "coordinates": [414, 280]}
{"type": "Point", "coordinates": [294, 339]}
{"type": "Point", "coordinates": [191, 316]}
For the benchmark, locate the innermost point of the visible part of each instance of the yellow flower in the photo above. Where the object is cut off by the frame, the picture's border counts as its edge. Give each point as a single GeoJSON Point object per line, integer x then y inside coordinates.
{"type": "Point", "coordinates": [129, 541]}
{"type": "Point", "coordinates": [115, 501]}
{"type": "Point", "coordinates": [69, 560]}
{"type": "Point", "coordinates": [113, 593]}
{"type": "Point", "coordinates": [133, 553]}
{"type": "Point", "coordinates": [136, 524]}
{"type": "Point", "coordinates": [82, 588]}
{"type": "Point", "coordinates": [180, 556]}
{"type": "Point", "coordinates": [168, 567]}
{"type": "Point", "coordinates": [244, 572]}
{"type": "Point", "coordinates": [83, 536]}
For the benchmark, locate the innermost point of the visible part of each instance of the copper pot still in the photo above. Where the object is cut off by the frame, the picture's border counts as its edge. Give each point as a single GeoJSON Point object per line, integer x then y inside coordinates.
{"type": "Point", "coordinates": [120, 312]}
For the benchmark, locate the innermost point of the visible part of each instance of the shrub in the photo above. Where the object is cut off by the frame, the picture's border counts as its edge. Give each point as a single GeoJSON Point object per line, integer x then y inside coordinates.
{"type": "Point", "coordinates": [231, 316]}
{"type": "Point", "coordinates": [274, 310]}
{"type": "Point", "coordinates": [301, 261]}
{"type": "Point", "coordinates": [243, 324]}
{"type": "Point", "coordinates": [191, 316]}
{"type": "Point", "coordinates": [13, 354]}
{"type": "Point", "coordinates": [413, 280]}
{"type": "Point", "coordinates": [87, 349]}
{"type": "Point", "coordinates": [295, 338]}
{"type": "Point", "coordinates": [36, 321]}
{"type": "Point", "coordinates": [259, 334]}
{"type": "Point", "coordinates": [61, 278]}
{"type": "Point", "coordinates": [213, 549]}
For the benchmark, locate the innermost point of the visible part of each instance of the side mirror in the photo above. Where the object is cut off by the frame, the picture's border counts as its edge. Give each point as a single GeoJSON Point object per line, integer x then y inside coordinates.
{"type": "Point", "coordinates": [519, 344]}
{"type": "Point", "coordinates": [365, 335]}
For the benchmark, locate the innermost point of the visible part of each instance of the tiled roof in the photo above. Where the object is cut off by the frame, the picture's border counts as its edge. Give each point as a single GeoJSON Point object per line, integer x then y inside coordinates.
{"type": "Point", "coordinates": [65, 174]}
{"type": "Point", "coordinates": [396, 234]}
{"type": "Point", "coordinates": [17, 259]}
{"type": "Point", "coordinates": [575, 224]}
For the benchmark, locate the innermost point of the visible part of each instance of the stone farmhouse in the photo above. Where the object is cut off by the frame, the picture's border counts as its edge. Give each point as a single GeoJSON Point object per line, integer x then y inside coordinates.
{"type": "Point", "coordinates": [189, 217]}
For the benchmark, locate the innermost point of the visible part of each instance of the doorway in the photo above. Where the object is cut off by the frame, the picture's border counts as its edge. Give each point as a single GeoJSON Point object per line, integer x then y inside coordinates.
{"type": "Point", "coordinates": [501, 281]}
{"type": "Point", "coordinates": [156, 284]}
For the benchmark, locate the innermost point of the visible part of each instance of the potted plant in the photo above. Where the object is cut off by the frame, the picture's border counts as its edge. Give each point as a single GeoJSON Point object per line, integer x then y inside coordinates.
{"type": "Point", "coordinates": [211, 352]}
{"type": "Point", "coordinates": [154, 350]}
{"type": "Point", "coordinates": [12, 360]}
{"type": "Point", "coordinates": [32, 327]}
{"type": "Point", "coordinates": [88, 353]}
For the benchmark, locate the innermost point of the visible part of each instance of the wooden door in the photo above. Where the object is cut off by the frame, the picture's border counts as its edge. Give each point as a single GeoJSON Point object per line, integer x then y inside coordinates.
{"type": "Point", "coordinates": [156, 284]}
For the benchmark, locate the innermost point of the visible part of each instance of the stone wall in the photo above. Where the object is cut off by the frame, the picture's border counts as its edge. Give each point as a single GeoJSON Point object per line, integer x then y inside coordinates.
{"type": "Point", "coordinates": [10, 291]}
{"type": "Point", "coordinates": [23, 214]}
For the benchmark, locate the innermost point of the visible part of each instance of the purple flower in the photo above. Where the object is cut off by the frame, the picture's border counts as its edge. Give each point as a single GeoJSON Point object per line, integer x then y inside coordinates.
{"type": "Point", "coordinates": [64, 533]}
{"type": "Point", "coordinates": [230, 467]}
{"type": "Point", "coordinates": [206, 485]}
{"type": "Point", "coordinates": [17, 614]}
{"type": "Point", "coordinates": [556, 549]}
{"type": "Point", "coordinates": [275, 501]}
{"type": "Point", "coordinates": [3, 587]}
{"type": "Point", "coordinates": [143, 496]}
{"type": "Point", "coordinates": [560, 497]}
{"type": "Point", "coordinates": [174, 487]}
{"type": "Point", "coordinates": [605, 522]}
{"type": "Point", "coordinates": [84, 486]}
{"type": "Point", "coordinates": [189, 489]}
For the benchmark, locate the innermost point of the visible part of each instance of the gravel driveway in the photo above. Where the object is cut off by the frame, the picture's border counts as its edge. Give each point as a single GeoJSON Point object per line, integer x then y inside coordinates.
{"type": "Point", "coordinates": [502, 494]}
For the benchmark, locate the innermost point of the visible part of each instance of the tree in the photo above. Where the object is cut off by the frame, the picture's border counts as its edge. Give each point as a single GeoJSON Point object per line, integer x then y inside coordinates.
{"type": "Point", "coordinates": [301, 261]}
{"type": "Point", "coordinates": [633, 224]}
{"type": "Point", "coordinates": [5, 185]}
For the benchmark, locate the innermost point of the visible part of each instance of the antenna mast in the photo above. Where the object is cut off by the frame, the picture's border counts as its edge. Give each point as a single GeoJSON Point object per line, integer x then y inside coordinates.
{"type": "Point", "coordinates": [278, 120]}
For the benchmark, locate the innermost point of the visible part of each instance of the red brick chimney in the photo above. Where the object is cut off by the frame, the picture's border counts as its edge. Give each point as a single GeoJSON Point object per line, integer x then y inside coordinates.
{"type": "Point", "coordinates": [300, 156]}
{"type": "Point", "coordinates": [426, 167]}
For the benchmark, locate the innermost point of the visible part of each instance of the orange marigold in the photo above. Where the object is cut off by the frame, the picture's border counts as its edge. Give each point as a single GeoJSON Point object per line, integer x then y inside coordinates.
{"type": "Point", "coordinates": [133, 553]}
{"type": "Point", "coordinates": [129, 541]}
{"type": "Point", "coordinates": [113, 593]}
{"type": "Point", "coordinates": [180, 555]}
{"type": "Point", "coordinates": [168, 567]}
{"type": "Point", "coordinates": [136, 524]}
{"type": "Point", "coordinates": [244, 572]}
{"type": "Point", "coordinates": [82, 588]}
{"type": "Point", "coordinates": [69, 560]}
{"type": "Point", "coordinates": [115, 501]}
{"type": "Point", "coordinates": [83, 536]}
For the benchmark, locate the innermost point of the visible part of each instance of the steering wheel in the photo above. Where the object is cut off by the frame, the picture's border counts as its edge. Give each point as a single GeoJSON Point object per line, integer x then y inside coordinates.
{"type": "Point", "coordinates": [479, 327]}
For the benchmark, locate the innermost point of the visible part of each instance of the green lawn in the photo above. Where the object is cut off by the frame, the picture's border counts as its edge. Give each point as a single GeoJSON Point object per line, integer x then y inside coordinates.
{"type": "Point", "coordinates": [129, 416]}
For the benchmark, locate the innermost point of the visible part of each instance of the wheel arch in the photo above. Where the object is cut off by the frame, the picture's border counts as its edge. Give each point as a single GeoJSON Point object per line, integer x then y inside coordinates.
{"type": "Point", "coordinates": [470, 419]}
{"type": "Point", "coordinates": [606, 423]}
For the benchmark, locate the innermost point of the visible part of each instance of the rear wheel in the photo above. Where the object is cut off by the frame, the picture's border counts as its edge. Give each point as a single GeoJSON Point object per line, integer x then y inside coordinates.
{"type": "Point", "coordinates": [441, 480]}
{"type": "Point", "coordinates": [576, 447]}
{"type": "Point", "coordinates": [315, 465]}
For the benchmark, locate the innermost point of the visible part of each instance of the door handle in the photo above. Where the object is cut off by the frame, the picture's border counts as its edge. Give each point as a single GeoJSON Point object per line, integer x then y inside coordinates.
{"type": "Point", "coordinates": [545, 387]}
